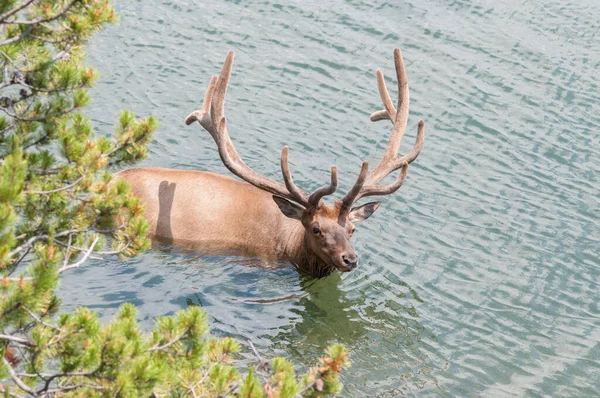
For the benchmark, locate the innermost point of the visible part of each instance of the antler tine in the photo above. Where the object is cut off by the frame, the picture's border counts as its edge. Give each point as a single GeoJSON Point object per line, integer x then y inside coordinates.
{"type": "Point", "coordinates": [316, 196]}
{"type": "Point", "coordinates": [412, 155]}
{"type": "Point", "coordinates": [301, 197]}
{"type": "Point", "coordinates": [298, 194]}
{"type": "Point", "coordinates": [217, 105]}
{"type": "Point", "coordinates": [212, 117]}
{"type": "Point", "coordinates": [399, 117]}
{"type": "Point", "coordinates": [205, 110]}
{"type": "Point", "coordinates": [352, 195]}
{"type": "Point", "coordinates": [390, 111]}
{"type": "Point", "coordinates": [376, 190]}
{"type": "Point", "coordinates": [379, 115]}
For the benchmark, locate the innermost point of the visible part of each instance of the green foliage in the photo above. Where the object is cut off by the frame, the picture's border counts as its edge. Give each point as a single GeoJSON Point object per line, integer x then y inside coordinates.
{"type": "Point", "coordinates": [177, 359]}
{"type": "Point", "coordinates": [59, 204]}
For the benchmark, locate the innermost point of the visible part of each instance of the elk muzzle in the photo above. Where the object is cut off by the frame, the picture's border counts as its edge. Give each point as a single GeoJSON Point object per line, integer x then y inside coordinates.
{"type": "Point", "coordinates": [348, 260]}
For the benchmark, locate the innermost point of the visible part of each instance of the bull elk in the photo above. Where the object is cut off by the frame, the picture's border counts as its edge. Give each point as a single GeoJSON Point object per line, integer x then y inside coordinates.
{"type": "Point", "coordinates": [261, 216]}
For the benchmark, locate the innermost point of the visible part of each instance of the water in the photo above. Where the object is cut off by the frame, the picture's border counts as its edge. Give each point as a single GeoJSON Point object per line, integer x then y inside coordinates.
{"type": "Point", "coordinates": [480, 277]}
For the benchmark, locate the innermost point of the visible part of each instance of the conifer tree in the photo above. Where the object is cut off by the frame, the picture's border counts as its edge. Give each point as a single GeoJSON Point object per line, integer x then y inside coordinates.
{"type": "Point", "coordinates": [60, 204]}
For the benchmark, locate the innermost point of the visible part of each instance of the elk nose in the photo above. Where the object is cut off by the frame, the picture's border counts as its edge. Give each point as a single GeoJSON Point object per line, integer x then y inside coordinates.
{"type": "Point", "coordinates": [350, 260]}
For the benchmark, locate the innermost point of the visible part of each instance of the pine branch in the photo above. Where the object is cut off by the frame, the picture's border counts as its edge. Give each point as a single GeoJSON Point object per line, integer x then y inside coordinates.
{"type": "Point", "coordinates": [39, 320]}
{"type": "Point", "coordinates": [101, 253]}
{"type": "Point", "coordinates": [74, 387]}
{"type": "Point", "coordinates": [37, 119]}
{"type": "Point", "coordinates": [16, 10]}
{"type": "Point", "coordinates": [157, 347]}
{"type": "Point", "coordinates": [16, 379]}
{"type": "Point", "coordinates": [49, 379]}
{"type": "Point", "coordinates": [207, 373]}
{"type": "Point", "coordinates": [44, 172]}
{"type": "Point", "coordinates": [16, 38]}
{"type": "Point", "coordinates": [82, 260]}
{"type": "Point", "coordinates": [66, 187]}
{"type": "Point", "coordinates": [34, 239]}
{"type": "Point", "coordinates": [41, 20]}
{"type": "Point", "coordinates": [16, 339]}
{"type": "Point", "coordinates": [15, 264]}
{"type": "Point", "coordinates": [21, 118]}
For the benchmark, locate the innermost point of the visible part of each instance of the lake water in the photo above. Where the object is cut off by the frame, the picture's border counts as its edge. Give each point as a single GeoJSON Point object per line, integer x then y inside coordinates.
{"type": "Point", "coordinates": [479, 277]}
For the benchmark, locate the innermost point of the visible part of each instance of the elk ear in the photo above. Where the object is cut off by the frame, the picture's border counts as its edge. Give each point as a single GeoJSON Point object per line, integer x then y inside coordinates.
{"type": "Point", "coordinates": [363, 212]}
{"type": "Point", "coordinates": [288, 208]}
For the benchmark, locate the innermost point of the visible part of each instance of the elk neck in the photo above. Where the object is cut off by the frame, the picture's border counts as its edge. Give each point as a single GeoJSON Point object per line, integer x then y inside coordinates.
{"type": "Point", "coordinates": [298, 252]}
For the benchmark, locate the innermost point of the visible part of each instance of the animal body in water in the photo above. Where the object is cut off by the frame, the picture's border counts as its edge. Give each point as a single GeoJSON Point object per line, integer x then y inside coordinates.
{"type": "Point", "coordinates": [262, 217]}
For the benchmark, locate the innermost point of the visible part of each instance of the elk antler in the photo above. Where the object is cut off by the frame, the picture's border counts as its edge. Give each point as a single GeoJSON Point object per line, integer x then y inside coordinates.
{"type": "Point", "coordinates": [366, 185]}
{"type": "Point", "coordinates": [212, 117]}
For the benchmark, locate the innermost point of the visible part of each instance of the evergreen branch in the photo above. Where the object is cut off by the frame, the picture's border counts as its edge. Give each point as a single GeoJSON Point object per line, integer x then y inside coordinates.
{"type": "Point", "coordinates": [207, 373]}
{"type": "Point", "coordinates": [82, 260]}
{"type": "Point", "coordinates": [74, 387]}
{"type": "Point", "coordinates": [39, 320]}
{"type": "Point", "coordinates": [21, 118]}
{"type": "Point", "coordinates": [16, 10]}
{"type": "Point", "coordinates": [37, 119]}
{"type": "Point", "coordinates": [157, 347]}
{"type": "Point", "coordinates": [48, 380]}
{"type": "Point", "coordinates": [38, 141]}
{"type": "Point", "coordinates": [101, 253]}
{"type": "Point", "coordinates": [15, 378]}
{"type": "Point", "coordinates": [65, 188]}
{"type": "Point", "coordinates": [9, 59]}
{"type": "Point", "coordinates": [41, 20]}
{"type": "Point", "coordinates": [44, 172]}
{"type": "Point", "coordinates": [42, 90]}
{"type": "Point", "coordinates": [16, 38]}
{"type": "Point", "coordinates": [260, 360]}
{"type": "Point", "coordinates": [16, 263]}
{"type": "Point", "coordinates": [64, 336]}
{"type": "Point", "coordinates": [120, 147]}
{"type": "Point", "coordinates": [30, 375]}
{"type": "Point", "coordinates": [56, 57]}
{"type": "Point", "coordinates": [231, 389]}
{"type": "Point", "coordinates": [34, 239]}
{"type": "Point", "coordinates": [16, 339]}
{"type": "Point", "coordinates": [48, 40]}
{"type": "Point", "coordinates": [68, 253]}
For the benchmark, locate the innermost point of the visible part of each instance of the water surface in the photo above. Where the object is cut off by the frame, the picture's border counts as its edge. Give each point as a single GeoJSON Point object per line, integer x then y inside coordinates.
{"type": "Point", "coordinates": [479, 277]}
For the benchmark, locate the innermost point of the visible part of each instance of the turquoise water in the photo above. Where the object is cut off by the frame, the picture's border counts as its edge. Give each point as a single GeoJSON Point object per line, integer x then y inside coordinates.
{"type": "Point", "coordinates": [479, 277]}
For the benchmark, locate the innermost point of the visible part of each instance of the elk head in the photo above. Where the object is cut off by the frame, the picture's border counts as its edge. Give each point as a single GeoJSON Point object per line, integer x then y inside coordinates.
{"type": "Point", "coordinates": [328, 229]}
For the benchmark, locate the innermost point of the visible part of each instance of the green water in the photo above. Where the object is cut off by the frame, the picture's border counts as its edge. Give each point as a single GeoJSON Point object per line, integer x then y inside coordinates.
{"type": "Point", "coordinates": [480, 277]}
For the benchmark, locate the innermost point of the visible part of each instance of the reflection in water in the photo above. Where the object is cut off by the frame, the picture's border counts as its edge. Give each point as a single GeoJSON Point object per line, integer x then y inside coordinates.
{"type": "Point", "coordinates": [380, 327]}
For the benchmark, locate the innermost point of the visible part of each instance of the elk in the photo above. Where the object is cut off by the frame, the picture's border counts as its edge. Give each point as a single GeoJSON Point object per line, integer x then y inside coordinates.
{"type": "Point", "coordinates": [262, 217]}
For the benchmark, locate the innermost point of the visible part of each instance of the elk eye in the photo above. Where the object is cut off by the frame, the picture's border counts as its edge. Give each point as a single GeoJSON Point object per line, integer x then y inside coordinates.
{"type": "Point", "coordinates": [315, 229]}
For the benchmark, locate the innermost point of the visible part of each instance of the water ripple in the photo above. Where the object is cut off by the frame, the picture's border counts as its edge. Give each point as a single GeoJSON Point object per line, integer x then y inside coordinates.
{"type": "Point", "coordinates": [479, 277]}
